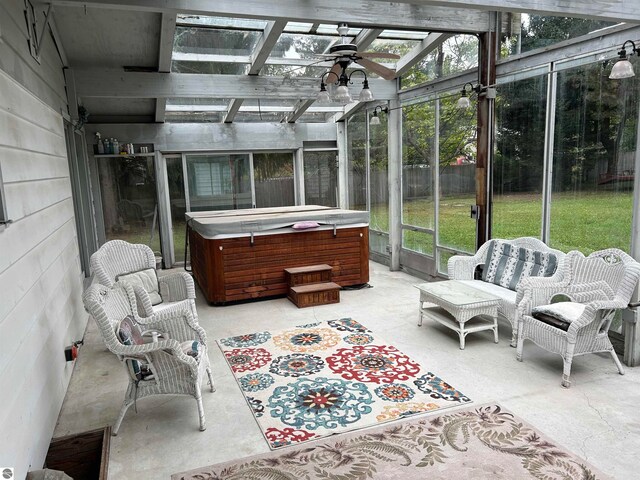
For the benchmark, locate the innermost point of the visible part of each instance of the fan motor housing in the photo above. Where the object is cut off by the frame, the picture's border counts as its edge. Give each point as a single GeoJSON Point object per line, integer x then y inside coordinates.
{"type": "Point", "coordinates": [344, 49]}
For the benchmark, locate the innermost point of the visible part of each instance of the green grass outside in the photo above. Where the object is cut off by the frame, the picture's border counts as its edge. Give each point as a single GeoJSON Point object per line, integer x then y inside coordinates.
{"type": "Point", "coordinates": [587, 221]}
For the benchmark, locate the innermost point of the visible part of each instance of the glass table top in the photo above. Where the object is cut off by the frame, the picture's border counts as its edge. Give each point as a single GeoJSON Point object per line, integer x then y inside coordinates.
{"type": "Point", "coordinates": [456, 293]}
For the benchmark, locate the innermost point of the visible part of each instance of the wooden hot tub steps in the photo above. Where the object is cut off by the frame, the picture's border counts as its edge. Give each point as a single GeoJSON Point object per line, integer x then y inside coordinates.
{"type": "Point", "coordinates": [311, 285]}
{"type": "Point", "coordinates": [315, 294]}
{"type": "Point", "coordinates": [307, 275]}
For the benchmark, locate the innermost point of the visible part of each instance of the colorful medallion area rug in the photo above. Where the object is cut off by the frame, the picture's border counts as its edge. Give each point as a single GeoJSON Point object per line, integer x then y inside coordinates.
{"type": "Point", "coordinates": [307, 382]}
{"type": "Point", "coordinates": [480, 443]}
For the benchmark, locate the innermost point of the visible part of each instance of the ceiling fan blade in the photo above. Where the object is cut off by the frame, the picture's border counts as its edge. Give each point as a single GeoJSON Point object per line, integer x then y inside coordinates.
{"type": "Point", "coordinates": [374, 67]}
{"type": "Point", "coordinates": [336, 70]}
{"type": "Point", "coordinates": [392, 56]}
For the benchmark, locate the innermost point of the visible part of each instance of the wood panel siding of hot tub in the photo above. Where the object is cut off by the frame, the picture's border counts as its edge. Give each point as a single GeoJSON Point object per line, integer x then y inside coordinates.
{"type": "Point", "coordinates": [233, 269]}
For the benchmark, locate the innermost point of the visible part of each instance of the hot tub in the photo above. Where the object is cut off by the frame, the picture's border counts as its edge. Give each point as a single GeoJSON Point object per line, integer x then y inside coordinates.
{"type": "Point", "coordinates": [242, 254]}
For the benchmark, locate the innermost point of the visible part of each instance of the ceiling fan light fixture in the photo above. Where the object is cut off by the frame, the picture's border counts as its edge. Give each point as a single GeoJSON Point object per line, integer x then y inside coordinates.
{"type": "Point", "coordinates": [342, 94]}
{"type": "Point", "coordinates": [623, 68]}
{"type": "Point", "coordinates": [365, 94]}
{"type": "Point", "coordinates": [323, 95]}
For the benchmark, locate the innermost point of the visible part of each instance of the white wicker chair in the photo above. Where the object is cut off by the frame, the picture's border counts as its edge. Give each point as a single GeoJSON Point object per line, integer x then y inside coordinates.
{"type": "Point", "coordinates": [174, 372]}
{"type": "Point", "coordinates": [463, 268]}
{"type": "Point", "coordinates": [604, 281]}
{"type": "Point", "coordinates": [118, 257]}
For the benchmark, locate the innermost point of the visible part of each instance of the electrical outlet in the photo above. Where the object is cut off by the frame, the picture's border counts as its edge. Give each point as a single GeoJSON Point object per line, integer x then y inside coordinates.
{"type": "Point", "coordinates": [68, 353]}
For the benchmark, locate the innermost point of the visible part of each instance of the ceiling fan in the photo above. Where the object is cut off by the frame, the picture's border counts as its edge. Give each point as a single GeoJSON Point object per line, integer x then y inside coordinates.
{"type": "Point", "coordinates": [345, 53]}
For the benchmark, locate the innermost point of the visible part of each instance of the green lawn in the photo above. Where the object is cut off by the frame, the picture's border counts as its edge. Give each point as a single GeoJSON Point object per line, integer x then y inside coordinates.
{"type": "Point", "coordinates": [587, 221]}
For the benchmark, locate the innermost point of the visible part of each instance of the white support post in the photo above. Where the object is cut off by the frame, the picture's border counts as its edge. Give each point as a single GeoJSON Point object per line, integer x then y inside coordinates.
{"type": "Point", "coordinates": [343, 168]}
{"type": "Point", "coordinates": [165, 229]}
{"type": "Point", "coordinates": [549, 135]}
{"type": "Point", "coordinates": [298, 176]}
{"type": "Point", "coordinates": [395, 183]}
{"type": "Point", "coordinates": [630, 317]}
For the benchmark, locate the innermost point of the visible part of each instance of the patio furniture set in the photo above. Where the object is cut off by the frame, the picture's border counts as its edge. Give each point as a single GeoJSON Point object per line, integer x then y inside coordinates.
{"type": "Point", "coordinates": [564, 303]}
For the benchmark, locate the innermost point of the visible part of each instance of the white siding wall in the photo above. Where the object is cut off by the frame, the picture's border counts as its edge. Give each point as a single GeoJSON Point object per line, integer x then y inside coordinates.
{"type": "Point", "coordinates": [40, 277]}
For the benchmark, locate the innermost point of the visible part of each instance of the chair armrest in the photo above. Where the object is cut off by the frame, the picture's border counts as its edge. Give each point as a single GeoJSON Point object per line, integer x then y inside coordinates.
{"type": "Point", "coordinates": [137, 351]}
{"type": "Point", "coordinates": [177, 321]}
{"type": "Point", "coordinates": [460, 267]}
{"type": "Point", "coordinates": [143, 301]}
{"type": "Point", "coordinates": [157, 354]}
{"type": "Point", "coordinates": [591, 314]}
{"type": "Point", "coordinates": [548, 287]}
{"type": "Point", "coordinates": [535, 291]}
{"type": "Point", "coordinates": [176, 286]}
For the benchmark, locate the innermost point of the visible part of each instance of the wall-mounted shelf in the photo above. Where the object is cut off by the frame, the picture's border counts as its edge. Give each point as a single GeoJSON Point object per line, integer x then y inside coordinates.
{"type": "Point", "coordinates": [124, 155]}
{"type": "Point", "coordinates": [137, 147]}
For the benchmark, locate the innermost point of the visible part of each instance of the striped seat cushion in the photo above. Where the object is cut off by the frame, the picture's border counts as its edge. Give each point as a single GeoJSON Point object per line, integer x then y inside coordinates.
{"type": "Point", "coordinates": [506, 264]}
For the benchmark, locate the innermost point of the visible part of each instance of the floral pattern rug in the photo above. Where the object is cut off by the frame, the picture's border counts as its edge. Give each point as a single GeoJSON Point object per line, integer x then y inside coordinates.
{"type": "Point", "coordinates": [487, 442]}
{"type": "Point", "coordinates": [307, 382]}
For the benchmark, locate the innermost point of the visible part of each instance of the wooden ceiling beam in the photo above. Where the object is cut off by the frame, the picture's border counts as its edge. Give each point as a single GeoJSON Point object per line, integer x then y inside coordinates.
{"type": "Point", "coordinates": [426, 46]}
{"type": "Point", "coordinates": [363, 13]}
{"type": "Point", "coordinates": [366, 37]}
{"type": "Point", "coordinates": [114, 83]}
{"type": "Point", "coordinates": [610, 10]}
{"type": "Point", "coordinates": [301, 107]}
{"type": "Point", "coordinates": [165, 49]}
{"type": "Point", "coordinates": [265, 45]}
{"type": "Point", "coordinates": [232, 110]}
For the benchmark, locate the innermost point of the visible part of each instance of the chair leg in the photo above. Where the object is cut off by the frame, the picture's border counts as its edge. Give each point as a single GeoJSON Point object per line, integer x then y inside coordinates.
{"type": "Point", "coordinates": [617, 361]}
{"type": "Point", "coordinates": [213, 388]}
{"type": "Point", "coordinates": [198, 396]}
{"type": "Point", "coordinates": [567, 359]}
{"type": "Point", "coordinates": [123, 411]}
{"type": "Point", "coordinates": [514, 337]}
{"type": "Point", "coordinates": [519, 347]}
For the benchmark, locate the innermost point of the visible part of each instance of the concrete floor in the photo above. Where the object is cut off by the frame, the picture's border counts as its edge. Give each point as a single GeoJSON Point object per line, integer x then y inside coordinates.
{"type": "Point", "coordinates": [597, 418]}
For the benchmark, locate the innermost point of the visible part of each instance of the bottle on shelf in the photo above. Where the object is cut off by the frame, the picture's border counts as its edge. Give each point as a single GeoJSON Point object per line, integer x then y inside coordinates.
{"type": "Point", "coordinates": [100, 144]}
{"type": "Point", "coordinates": [116, 147]}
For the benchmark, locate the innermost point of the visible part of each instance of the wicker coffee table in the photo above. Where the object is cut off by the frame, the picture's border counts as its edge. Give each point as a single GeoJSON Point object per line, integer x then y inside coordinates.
{"type": "Point", "coordinates": [461, 303]}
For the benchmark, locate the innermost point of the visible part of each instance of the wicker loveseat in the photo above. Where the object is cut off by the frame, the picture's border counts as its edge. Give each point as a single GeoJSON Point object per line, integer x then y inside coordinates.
{"type": "Point", "coordinates": [513, 262]}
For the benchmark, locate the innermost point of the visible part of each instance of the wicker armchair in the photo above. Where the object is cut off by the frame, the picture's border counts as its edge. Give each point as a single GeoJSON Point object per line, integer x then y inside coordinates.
{"type": "Point", "coordinates": [604, 282]}
{"type": "Point", "coordinates": [463, 268]}
{"type": "Point", "coordinates": [170, 370]}
{"type": "Point", "coordinates": [118, 257]}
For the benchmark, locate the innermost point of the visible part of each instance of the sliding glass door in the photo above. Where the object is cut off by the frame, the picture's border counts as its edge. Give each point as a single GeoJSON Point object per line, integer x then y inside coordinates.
{"type": "Point", "coordinates": [128, 200]}
{"type": "Point", "coordinates": [219, 182]}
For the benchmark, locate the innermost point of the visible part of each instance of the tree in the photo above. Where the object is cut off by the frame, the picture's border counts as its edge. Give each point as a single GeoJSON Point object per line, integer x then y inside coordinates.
{"type": "Point", "coordinates": [540, 31]}
{"type": "Point", "coordinates": [595, 118]}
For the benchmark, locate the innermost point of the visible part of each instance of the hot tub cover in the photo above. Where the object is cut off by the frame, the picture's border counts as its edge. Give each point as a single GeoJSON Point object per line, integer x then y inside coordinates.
{"type": "Point", "coordinates": [250, 221]}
